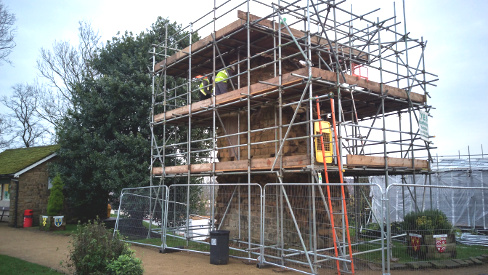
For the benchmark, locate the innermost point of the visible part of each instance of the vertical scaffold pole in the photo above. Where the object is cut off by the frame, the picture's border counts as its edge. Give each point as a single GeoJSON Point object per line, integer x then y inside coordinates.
{"type": "Point", "coordinates": [248, 30]}
{"type": "Point", "coordinates": [188, 144]}
{"type": "Point", "coordinates": [310, 134]}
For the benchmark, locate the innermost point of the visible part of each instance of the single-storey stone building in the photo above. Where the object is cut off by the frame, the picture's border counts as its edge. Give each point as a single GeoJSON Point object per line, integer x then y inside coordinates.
{"type": "Point", "coordinates": [25, 182]}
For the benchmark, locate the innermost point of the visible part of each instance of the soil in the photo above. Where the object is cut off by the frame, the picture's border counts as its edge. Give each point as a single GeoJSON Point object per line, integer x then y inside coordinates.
{"type": "Point", "coordinates": [49, 249]}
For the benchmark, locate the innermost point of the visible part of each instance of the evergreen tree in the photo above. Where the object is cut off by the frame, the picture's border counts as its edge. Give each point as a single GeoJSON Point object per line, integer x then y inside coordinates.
{"type": "Point", "coordinates": [55, 203]}
{"type": "Point", "coordinates": [105, 143]}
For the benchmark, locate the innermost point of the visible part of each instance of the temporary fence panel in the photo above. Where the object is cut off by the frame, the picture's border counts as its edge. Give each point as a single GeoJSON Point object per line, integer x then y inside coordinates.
{"type": "Point", "coordinates": [298, 233]}
{"type": "Point", "coordinates": [428, 233]}
{"type": "Point", "coordinates": [140, 217]}
{"type": "Point", "coordinates": [463, 207]}
{"type": "Point", "coordinates": [196, 210]}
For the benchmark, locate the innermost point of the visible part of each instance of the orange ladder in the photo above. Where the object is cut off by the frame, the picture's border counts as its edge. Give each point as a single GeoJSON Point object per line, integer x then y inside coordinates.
{"type": "Point", "coordinates": [329, 202]}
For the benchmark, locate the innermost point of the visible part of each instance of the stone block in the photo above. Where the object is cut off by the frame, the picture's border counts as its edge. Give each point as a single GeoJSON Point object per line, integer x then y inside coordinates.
{"type": "Point", "coordinates": [475, 261]}
{"type": "Point", "coordinates": [419, 265]}
{"type": "Point", "coordinates": [438, 264]}
{"type": "Point", "coordinates": [398, 266]}
{"type": "Point", "coordinates": [450, 264]}
{"type": "Point", "coordinates": [462, 263]}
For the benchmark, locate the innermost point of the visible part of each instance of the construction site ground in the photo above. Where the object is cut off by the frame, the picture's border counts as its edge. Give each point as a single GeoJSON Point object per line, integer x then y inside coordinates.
{"type": "Point", "coordinates": [49, 249]}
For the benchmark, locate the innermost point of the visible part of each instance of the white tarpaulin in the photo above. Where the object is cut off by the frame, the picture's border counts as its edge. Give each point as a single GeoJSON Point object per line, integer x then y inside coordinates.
{"type": "Point", "coordinates": [463, 207]}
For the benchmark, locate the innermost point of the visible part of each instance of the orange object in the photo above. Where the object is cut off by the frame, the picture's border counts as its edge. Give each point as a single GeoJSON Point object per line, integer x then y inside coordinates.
{"type": "Point", "coordinates": [359, 70]}
{"type": "Point", "coordinates": [109, 210]}
{"type": "Point", "coordinates": [342, 181]}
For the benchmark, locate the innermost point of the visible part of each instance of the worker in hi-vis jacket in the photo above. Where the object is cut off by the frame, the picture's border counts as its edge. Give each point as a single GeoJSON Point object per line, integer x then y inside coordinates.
{"type": "Point", "coordinates": [205, 87]}
{"type": "Point", "coordinates": [222, 78]}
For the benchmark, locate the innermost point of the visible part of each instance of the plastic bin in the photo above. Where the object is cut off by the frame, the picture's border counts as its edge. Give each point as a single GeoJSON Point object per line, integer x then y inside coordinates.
{"type": "Point", "coordinates": [28, 217]}
{"type": "Point", "coordinates": [219, 247]}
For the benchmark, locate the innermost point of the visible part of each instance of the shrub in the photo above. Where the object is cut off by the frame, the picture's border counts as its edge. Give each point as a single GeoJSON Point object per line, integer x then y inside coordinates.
{"type": "Point", "coordinates": [428, 222]}
{"type": "Point", "coordinates": [56, 198]}
{"type": "Point", "coordinates": [94, 248]}
{"type": "Point", "coordinates": [125, 265]}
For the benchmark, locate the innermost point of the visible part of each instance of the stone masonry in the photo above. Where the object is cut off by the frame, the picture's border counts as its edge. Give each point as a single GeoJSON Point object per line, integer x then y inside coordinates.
{"type": "Point", "coordinates": [33, 194]}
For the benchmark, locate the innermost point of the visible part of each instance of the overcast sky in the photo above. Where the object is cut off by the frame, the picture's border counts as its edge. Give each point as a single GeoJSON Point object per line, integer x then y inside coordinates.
{"type": "Point", "coordinates": [456, 31]}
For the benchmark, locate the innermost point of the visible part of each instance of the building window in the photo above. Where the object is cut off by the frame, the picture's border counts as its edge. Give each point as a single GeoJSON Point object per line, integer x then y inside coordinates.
{"type": "Point", "coordinates": [49, 183]}
{"type": "Point", "coordinates": [5, 195]}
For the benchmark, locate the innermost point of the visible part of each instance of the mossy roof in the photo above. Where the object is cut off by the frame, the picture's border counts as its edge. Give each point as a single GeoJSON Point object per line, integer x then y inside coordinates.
{"type": "Point", "coordinates": [14, 160]}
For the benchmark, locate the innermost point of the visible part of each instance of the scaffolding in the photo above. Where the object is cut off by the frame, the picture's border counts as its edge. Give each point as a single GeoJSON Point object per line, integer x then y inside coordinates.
{"type": "Point", "coordinates": [296, 63]}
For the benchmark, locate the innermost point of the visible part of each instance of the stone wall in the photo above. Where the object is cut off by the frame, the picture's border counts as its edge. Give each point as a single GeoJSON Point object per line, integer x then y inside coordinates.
{"type": "Point", "coordinates": [261, 118]}
{"type": "Point", "coordinates": [33, 194]}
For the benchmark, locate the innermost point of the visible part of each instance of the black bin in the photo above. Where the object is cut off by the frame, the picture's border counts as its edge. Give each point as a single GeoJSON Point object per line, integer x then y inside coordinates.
{"type": "Point", "coordinates": [219, 247]}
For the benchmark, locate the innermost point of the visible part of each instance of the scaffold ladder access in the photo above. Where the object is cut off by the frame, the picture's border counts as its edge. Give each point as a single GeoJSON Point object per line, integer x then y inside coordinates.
{"type": "Point", "coordinates": [343, 213]}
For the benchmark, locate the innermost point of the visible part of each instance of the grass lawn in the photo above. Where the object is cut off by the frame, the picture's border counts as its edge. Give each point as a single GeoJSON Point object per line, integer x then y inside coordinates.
{"type": "Point", "coordinates": [70, 230]}
{"type": "Point", "coordinates": [10, 265]}
{"type": "Point", "coordinates": [399, 251]}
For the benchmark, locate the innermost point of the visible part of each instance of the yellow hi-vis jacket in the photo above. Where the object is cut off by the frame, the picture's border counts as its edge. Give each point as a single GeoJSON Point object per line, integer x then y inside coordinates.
{"type": "Point", "coordinates": [222, 76]}
{"type": "Point", "coordinates": [204, 86]}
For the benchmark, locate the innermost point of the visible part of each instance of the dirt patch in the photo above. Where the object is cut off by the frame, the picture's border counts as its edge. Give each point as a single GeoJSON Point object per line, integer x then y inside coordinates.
{"type": "Point", "coordinates": [48, 249]}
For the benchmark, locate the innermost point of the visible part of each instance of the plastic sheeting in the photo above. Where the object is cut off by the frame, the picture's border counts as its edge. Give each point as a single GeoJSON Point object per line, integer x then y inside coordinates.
{"type": "Point", "coordinates": [463, 207]}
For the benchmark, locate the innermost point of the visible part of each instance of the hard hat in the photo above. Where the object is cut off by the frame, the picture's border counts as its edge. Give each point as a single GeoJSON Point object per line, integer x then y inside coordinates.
{"type": "Point", "coordinates": [198, 76]}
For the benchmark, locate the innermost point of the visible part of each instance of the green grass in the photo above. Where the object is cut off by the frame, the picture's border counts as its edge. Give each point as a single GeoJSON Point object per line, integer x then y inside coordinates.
{"type": "Point", "coordinates": [399, 251]}
{"type": "Point", "coordinates": [173, 241]}
{"type": "Point", "coordinates": [70, 230]}
{"type": "Point", "coordinates": [10, 265]}
{"type": "Point", "coordinates": [466, 251]}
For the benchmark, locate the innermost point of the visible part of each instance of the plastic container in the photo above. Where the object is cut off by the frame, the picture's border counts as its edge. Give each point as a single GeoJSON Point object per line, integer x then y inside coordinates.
{"type": "Point", "coordinates": [219, 247]}
{"type": "Point", "coordinates": [28, 213]}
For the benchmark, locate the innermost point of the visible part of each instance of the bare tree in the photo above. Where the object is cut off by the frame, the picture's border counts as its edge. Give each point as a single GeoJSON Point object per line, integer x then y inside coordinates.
{"type": "Point", "coordinates": [5, 130]}
{"type": "Point", "coordinates": [64, 67]}
{"type": "Point", "coordinates": [7, 32]}
{"type": "Point", "coordinates": [23, 104]}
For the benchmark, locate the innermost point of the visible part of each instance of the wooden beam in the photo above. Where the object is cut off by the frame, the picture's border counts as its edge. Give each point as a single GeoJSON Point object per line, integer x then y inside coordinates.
{"type": "Point", "coordinates": [289, 79]}
{"type": "Point", "coordinates": [368, 85]}
{"type": "Point", "coordinates": [370, 161]}
{"type": "Point", "coordinates": [239, 24]}
{"type": "Point", "coordinates": [239, 165]}
{"type": "Point", "coordinates": [199, 44]}
{"type": "Point", "coordinates": [255, 89]}
{"type": "Point", "coordinates": [298, 34]}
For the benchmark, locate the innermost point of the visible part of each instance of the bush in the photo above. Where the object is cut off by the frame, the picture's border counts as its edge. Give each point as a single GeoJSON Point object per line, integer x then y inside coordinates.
{"type": "Point", "coordinates": [125, 264]}
{"type": "Point", "coordinates": [94, 249]}
{"type": "Point", "coordinates": [56, 198]}
{"type": "Point", "coordinates": [428, 222]}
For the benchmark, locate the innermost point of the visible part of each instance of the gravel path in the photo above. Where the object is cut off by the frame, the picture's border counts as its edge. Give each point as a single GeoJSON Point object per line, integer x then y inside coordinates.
{"type": "Point", "coordinates": [50, 249]}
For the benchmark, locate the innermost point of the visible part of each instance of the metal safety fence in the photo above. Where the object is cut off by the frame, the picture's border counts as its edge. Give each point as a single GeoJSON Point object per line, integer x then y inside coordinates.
{"type": "Point", "coordinates": [429, 230]}
{"type": "Point", "coordinates": [304, 227]}
{"type": "Point", "coordinates": [194, 211]}
{"type": "Point", "coordinates": [141, 214]}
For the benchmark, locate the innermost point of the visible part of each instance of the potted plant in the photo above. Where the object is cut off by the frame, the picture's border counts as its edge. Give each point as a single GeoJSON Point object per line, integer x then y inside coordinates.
{"type": "Point", "coordinates": [54, 220]}
{"type": "Point", "coordinates": [430, 235]}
